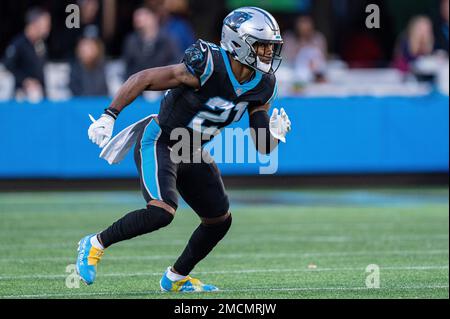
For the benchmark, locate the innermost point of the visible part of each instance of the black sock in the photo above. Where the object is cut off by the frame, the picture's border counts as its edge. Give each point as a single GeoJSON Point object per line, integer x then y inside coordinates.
{"type": "Point", "coordinates": [202, 241]}
{"type": "Point", "coordinates": [136, 223]}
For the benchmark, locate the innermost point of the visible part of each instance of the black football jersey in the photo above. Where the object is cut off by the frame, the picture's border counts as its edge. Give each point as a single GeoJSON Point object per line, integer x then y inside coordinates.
{"type": "Point", "coordinates": [220, 100]}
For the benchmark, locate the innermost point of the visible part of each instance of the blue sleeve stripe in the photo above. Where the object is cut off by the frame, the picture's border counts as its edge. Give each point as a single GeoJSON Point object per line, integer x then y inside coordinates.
{"type": "Point", "coordinates": [208, 69]}
{"type": "Point", "coordinates": [149, 160]}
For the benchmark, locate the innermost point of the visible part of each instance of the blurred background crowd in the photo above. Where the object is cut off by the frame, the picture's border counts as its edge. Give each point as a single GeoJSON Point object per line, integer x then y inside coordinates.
{"type": "Point", "coordinates": [328, 48]}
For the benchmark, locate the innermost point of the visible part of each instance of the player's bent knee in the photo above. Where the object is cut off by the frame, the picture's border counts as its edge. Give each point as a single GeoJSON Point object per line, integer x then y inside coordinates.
{"type": "Point", "coordinates": [211, 214]}
{"type": "Point", "coordinates": [157, 217]}
{"type": "Point", "coordinates": [225, 206]}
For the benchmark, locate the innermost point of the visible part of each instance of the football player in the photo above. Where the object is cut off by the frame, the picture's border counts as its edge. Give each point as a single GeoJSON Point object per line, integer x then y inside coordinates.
{"type": "Point", "coordinates": [212, 87]}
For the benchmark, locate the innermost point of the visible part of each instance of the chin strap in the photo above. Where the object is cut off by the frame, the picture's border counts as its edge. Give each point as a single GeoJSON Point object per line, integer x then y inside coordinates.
{"type": "Point", "coordinates": [264, 67]}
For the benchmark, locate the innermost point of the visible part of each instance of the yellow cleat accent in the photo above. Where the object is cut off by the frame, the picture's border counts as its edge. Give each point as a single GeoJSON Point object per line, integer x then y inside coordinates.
{"type": "Point", "coordinates": [95, 255]}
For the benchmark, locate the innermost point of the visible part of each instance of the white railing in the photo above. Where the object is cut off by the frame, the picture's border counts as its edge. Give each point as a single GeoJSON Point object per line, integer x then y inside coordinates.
{"type": "Point", "coordinates": [340, 82]}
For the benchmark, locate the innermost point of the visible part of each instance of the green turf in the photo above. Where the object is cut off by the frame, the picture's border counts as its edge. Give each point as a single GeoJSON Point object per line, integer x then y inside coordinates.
{"type": "Point", "coordinates": [266, 254]}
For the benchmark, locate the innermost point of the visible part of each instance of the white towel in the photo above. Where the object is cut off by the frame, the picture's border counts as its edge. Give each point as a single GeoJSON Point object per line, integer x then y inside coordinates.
{"type": "Point", "coordinates": [119, 146]}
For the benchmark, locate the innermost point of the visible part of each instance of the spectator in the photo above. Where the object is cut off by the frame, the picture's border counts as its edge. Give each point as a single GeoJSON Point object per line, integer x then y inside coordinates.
{"type": "Point", "coordinates": [87, 75]}
{"type": "Point", "coordinates": [147, 47]}
{"type": "Point", "coordinates": [26, 55]}
{"type": "Point", "coordinates": [89, 12]}
{"type": "Point", "coordinates": [416, 42]}
{"type": "Point", "coordinates": [310, 59]}
{"type": "Point", "coordinates": [175, 23]}
{"type": "Point", "coordinates": [441, 27]}
{"type": "Point", "coordinates": [91, 19]}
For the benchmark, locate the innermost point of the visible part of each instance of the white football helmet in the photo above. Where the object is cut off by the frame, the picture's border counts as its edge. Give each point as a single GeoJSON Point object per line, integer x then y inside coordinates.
{"type": "Point", "coordinates": [247, 26]}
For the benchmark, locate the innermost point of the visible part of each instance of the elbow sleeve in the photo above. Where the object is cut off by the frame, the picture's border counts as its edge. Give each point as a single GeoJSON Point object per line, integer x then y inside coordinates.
{"type": "Point", "coordinates": [259, 124]}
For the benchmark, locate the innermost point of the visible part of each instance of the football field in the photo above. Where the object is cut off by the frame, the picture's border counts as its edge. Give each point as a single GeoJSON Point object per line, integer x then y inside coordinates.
{"type": "Point", "coordinates": [282, 244]}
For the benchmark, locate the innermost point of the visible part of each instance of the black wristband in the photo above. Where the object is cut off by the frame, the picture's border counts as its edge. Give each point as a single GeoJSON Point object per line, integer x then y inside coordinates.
{"type": "Point", "coordinates": [261, 120]}
{"type": "Point", "coordinates": [112, 112]}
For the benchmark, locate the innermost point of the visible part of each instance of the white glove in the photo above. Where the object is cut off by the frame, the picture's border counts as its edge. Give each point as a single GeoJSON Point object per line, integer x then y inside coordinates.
{"type": "Point", "coordinates": [279, 125]}
{"type": "Point", "coordinates": [100, 131]}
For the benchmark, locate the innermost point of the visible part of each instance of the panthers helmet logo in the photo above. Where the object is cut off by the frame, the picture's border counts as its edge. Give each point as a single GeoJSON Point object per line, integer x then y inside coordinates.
{"type": "Point", "coordinates": [235, 20]}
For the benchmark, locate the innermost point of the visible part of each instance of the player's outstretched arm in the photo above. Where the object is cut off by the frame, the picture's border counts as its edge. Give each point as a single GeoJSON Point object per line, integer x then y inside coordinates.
{"type": "Point", "coordinates": [155, 79]}
{"type": "Point", "coordinates": [267, 132]}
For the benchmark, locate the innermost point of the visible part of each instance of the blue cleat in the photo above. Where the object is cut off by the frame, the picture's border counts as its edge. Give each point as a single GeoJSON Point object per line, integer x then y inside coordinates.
{"type": "Point", "coordinates": [187, 284]}
{"type": "Point", "coordinates": [87, 260]}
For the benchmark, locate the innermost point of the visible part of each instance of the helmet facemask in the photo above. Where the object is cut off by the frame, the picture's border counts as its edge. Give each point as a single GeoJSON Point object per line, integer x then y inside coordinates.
{"type": "Point", "coordinates": [254, 61]}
